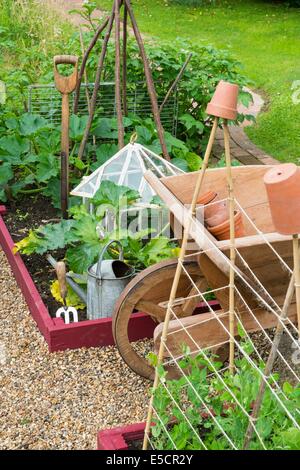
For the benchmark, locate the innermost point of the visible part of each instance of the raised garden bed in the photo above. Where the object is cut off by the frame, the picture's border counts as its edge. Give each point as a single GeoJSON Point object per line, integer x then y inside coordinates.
{"type": "Point", "coordinates": [123, 438]}
{"type": "Point", "coordinates": [58, 335]}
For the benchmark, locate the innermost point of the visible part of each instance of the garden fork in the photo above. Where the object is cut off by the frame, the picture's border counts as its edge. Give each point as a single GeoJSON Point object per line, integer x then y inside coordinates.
{"type": "Point", "coordinates": [65, 85]}
{"type": "Point", "coordinates": [64, 311]}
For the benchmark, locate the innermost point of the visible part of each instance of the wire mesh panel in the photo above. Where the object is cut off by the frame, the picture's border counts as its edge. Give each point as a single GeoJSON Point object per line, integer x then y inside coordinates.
{"type": "Point", "coordinates": [46, 101]}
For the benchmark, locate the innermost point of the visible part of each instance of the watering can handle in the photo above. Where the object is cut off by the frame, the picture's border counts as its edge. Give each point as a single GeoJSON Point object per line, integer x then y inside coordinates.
{"type": "Point", "coordinates": [121, 256]}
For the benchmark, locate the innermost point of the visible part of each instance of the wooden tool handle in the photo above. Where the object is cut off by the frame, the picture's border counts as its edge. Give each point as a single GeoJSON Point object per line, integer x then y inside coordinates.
{"type": "Point", "coordinates": [61, 276]}
{"type": "Point", "coordinates": [65, 59]}
{"type": "Point", "coordinates": [64, 84]}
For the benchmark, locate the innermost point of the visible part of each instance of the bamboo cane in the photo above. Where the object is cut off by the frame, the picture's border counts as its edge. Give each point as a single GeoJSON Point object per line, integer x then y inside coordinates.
{"type": "Point", "coordinates": [177, 276]}
{"type": "Point", "coordinates": [118, 77]}
{"type": "Point", "coordinates": [297, 276]}
{"type": "Point", "coordinates": [232, 245]}
{"type": "Point", "coordinates": [173, 86]}
{"type": "Point", "coordinates": [149, 81]}
{"type": "Point", "coordinates": [270, 361]}
{"type": "Point", "coordinates": [124, 64]}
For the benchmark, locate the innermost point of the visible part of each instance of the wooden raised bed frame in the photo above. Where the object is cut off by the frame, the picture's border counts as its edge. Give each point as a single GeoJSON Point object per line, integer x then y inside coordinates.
{"type": "Point", "coordinates": [120, 438]}
{"type": "Point", "coordinates": [58, 335]}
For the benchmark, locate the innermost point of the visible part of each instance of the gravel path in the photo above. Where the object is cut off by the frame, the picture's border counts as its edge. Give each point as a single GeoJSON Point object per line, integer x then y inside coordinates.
{"type": "Point", "coordinates": [58, 400]}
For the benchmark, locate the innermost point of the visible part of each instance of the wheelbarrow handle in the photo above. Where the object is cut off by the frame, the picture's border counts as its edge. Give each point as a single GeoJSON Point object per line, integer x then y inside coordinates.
{"type": "Point", "coordinates": [65, 84]}
{"type": "Point", "coordinates": [121, 256]}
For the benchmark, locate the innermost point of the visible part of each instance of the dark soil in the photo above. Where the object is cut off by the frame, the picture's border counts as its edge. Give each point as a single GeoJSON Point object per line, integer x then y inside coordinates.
{"type": "Point", "coordinates": [135, 445]}
{"type": "Point", "coordinates": [29, 213]}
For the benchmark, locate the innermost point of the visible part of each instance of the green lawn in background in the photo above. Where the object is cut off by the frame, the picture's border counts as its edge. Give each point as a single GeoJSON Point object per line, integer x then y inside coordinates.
{"type": "Point", "coordinates": [263, 35]}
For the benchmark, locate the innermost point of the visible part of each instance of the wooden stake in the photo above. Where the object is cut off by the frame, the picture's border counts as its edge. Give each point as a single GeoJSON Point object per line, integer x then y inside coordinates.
{"type": "Point", "coordinates": [97, 83]}
{"type": "Point", "coordinates": [297, 276]}
{"type": "Point", "coordinates": [124, 62]}
{"type": "Point", "coordinates": [232, 245]}
{"type": "Point", "coordinates": [84, 61]}
{"type": "Point", "coordinates": [149, 81]}
{"type": "Point", "coordinates": [118, 77]}
{"type": "Point", "coordinates": [85, 72]}
{"type": "Point", "coordinates": [270, 362]}
{"type": "Point", "coordinates": [173, 86]}
{"type": "Point", "coordinates": [177, 277]}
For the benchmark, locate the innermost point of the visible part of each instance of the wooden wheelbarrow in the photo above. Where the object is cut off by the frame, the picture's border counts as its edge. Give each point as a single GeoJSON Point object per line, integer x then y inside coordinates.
{"type": "Point", "coordinates": [210, 269]}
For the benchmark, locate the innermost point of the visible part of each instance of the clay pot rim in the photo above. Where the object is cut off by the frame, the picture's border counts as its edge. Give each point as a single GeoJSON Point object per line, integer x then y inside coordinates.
{"type": "Point", "coordinates": [214, 194]}
{"type": "Point", "coordinates": [207, 219]}
{"type": "Point", "coordinates": [224, 225]}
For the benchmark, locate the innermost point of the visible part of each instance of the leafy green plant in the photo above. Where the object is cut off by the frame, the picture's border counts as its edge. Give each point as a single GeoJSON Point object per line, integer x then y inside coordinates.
{"type": "Point", "coordinates": [83, 237]}
{"type": "Point", "coordinates": [180, 409]}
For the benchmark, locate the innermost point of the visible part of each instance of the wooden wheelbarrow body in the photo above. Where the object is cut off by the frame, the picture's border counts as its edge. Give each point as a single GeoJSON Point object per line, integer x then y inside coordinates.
{"type": "Point", "coordinates": [249, 189]}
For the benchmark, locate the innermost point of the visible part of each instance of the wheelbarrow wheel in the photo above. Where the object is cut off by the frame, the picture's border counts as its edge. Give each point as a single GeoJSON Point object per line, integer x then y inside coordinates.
{"type": "Point", "coordinates": [149, 292]}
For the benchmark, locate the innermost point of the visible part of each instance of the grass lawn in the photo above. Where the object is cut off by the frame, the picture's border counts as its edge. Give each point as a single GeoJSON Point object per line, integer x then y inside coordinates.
{"type": "Point", "coordinates": [263, 35]}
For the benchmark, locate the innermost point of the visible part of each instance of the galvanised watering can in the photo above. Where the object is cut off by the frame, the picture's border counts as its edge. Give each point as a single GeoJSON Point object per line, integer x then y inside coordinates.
{"type": "Point", "coordinates": [106, 281]}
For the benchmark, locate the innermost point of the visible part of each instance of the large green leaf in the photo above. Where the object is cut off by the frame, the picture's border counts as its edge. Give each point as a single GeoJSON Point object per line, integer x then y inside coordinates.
{"type": "Point", "coordinates": [144, 135]}
{"type": "Point", "coordinates": [105, 129]}
{"type": "Point", "coordinates": [14, 146]}
{"type": "Point", "coordinates": [47, 167]}
{"type": "Point", "coordinates": [77, 127]}
{"type": "Point", "coordinates": [112, 196]}
{"type": "Point", "coordinates": [6, 173]}
{"type": "Point", "coordinates": [30, 124]}
{"type": "Point", "coordinates": [193, 160]}
{"type": "Point", "coordinates": [103, 153]}
{"type": "Point", "coordinates": [47, 238]}
{"type": "Point", "coordinates": [82, 256]}
{"type": "Point", "coordinates": [85, 230]}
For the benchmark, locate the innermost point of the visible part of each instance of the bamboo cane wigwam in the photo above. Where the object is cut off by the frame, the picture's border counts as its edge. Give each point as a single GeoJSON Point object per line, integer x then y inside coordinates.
{"type": "Point", "coordinates": [264, 298]}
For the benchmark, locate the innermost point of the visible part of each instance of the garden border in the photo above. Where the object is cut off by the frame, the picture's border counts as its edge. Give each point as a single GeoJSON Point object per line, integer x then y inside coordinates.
{"type": "Point", "coordinates": [58, 335]}
{"type": "Point", "coordinates": [118, 438]}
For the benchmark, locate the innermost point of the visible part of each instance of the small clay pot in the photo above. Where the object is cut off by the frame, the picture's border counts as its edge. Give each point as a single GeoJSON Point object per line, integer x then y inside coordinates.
{"type": "Point", "coordinates": [216, 214]}
{"type": "Point", "coordinates": [222, 231]}
{"type": "Point", "coordinates": [282, 183]}
{"type": "Point", "coordinates": [206, 198]}
{"type": "Point", "coordinates": [224, 101]}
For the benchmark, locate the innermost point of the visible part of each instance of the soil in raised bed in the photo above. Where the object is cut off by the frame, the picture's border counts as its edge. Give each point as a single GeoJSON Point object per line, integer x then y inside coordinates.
{"type": "Point", "coordinates": [26, 214]}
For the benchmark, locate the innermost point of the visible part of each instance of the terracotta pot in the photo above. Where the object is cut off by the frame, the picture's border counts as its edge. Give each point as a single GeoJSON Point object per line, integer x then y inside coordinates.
{"type": "Point", "coordinates": [224, 101]}
{"type": "Point", "coordinates": [283, 188]}
{"type": "Point", "coordinates": [216, 214]}
{"type": "Point", "coordinates": [206, 198]}
{"type": "Point", "coordinates": [222, 231]}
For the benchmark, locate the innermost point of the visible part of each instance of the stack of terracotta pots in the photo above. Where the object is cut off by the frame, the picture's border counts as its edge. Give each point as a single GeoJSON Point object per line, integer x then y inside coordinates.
{"type": "Point", "coordinates": [216, 217]}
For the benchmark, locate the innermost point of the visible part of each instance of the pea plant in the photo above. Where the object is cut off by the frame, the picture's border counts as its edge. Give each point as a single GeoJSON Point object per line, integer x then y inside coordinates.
{"type": "Point", "coordinates": [200, 409]}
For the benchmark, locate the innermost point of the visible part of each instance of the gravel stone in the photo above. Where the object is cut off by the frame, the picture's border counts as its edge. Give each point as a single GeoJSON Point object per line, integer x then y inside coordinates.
{"type": "Point", "coordinates": [59, 400]}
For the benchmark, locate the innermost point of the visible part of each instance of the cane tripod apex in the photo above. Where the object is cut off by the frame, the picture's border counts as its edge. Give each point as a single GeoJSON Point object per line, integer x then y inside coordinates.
{"type": "Point", "coordinates": [120, 81]}
{"type": "Point", "coordinates": [65, 85]}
